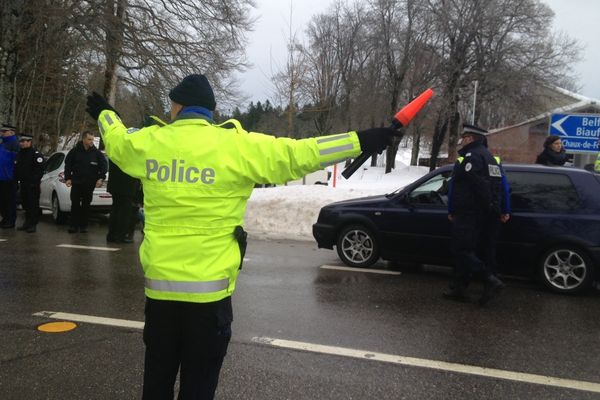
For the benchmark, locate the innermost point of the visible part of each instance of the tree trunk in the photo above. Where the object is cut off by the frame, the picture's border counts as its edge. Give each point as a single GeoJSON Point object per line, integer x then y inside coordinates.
{"type": "Point", "coordinates": [10, 15]}
{"type": "Point", "coordinates": [115, 20]}
{"type": "Point", "coordinates": [439, 133]}
{"type": "Point", "coordinates": [416, 143]}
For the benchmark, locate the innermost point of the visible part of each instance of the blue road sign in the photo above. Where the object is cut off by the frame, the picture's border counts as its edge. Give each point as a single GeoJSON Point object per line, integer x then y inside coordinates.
{"type": "Point", "coordinates": [579, 132]}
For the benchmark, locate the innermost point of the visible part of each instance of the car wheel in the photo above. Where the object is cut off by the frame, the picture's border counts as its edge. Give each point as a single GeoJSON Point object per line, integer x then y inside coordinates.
{"type": "Point", "coordinates": [60, 217]}
{"type": "Point", "coordinates": [357, 247]}
{"type": "Point", "coordinates": [566, 269]}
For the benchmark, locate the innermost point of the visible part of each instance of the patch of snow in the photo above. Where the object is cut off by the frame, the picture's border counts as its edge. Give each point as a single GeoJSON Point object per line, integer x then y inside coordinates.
{"type": "Point", "coordinates": [288, 212]}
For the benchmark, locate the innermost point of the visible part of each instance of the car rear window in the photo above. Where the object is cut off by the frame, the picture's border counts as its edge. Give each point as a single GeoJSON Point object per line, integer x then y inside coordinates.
{"type": "Point", "coordinates": [54, 162]}
{"type": "Point", "coordinates": [541, 191]}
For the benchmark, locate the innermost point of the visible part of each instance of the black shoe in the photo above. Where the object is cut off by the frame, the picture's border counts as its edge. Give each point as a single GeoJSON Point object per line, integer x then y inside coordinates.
{"type": "Point", "coordinates": [73, 229]}
{"type": "Point", "coordinates": [8, 225]}
{"type": "Point", "coordinates": [456, 295]}
{"type": "Point", "coordinates": [110, 239]}
{"type": "Point", "coordinates": [491, 289]}
{"type": "Point", "coordinates": [30, 229]}
{"type": "Point", "coordinates": [83, 229]}
{"type": "Point", "coordinates": [126, 240]}
{"type": "Point", "coordinates": [23, 228]}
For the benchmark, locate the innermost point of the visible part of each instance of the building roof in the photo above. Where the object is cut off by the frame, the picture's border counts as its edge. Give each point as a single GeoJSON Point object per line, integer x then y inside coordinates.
{"type": "Point", "coordinates": [580, 103]}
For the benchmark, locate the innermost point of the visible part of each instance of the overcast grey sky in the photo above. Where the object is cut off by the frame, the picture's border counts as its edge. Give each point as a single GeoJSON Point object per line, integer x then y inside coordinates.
{"type": "Point", "coordinates": [578, 18]}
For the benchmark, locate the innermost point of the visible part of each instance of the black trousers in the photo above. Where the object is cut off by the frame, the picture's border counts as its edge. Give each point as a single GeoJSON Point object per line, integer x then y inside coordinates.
{"type": "Point", "coordinates": [8, 201]}
{"type": "Point", "coordinates": [135, 209]}
{"type": "Point", "coordinates": [190, 337]}
{"type": "Point", "coordinates": [474, 238]}
{"type": "Point", "coordinates": [81, 197]}
{"type": "Point", "coordinates": [30, 200]}
{"type": "Point", "coordinates": [120, 217]}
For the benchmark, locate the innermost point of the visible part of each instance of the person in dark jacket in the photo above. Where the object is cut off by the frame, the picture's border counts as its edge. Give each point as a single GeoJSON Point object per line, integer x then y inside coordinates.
{"type": "Point", "coordinates": [476, 204]}
{"type": "Point", "coordinates": [85, 169]}
{"type": "Point", "coordinates": [29, 168]}
{"type": "Point", "coordinates": [9, 147]}
{"type": "Point", "coordinates": [553, 153]}
{"type": "Point", "coordinates": [123, 189]}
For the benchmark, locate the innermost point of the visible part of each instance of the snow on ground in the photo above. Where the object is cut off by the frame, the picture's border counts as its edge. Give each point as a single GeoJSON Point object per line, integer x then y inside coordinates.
{"type": "Point", "coordinates": [288, 212]}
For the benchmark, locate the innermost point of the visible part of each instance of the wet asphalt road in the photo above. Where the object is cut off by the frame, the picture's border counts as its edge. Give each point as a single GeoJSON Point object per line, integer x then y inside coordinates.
{"type": "Point", "coordinates": [284, 294]}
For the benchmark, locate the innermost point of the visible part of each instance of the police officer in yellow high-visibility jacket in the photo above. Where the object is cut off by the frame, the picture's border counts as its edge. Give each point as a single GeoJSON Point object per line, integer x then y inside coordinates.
{"type": "Point", "coordinates": [197, 177]}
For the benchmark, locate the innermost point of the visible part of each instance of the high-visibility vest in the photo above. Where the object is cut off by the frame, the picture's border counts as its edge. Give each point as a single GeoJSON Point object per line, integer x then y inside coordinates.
{"type": "Point", "coordinates": [197, 178]}
{"type": "Point", "coordinates": [597, 164]}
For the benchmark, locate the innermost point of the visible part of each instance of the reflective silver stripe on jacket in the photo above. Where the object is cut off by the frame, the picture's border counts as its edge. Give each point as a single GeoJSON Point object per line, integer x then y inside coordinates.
{"type": "Point", "coordinates": [187, 287]}
{"type": "Point", "coordinates": [337, 149]}
{"type": "Point", "coordinates": [332, 138]}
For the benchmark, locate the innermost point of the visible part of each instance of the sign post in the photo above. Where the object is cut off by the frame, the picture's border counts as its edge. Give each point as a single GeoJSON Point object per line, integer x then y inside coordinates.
{"type": "Point", "coordinates": [579, 132]}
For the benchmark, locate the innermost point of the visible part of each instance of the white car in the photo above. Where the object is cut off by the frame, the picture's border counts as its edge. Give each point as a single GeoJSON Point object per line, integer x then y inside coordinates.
{"type": "Point", "coordinates": [55, 195]}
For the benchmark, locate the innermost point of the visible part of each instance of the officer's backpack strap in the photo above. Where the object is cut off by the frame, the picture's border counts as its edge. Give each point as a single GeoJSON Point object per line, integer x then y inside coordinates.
{"type": "Point", "coordinates": [233, 123]}
{"type": "Point", "coordinates": [242, 238]}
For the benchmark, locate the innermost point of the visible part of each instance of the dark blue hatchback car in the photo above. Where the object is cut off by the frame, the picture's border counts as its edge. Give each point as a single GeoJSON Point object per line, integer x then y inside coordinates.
{"type": "Point", "coordinates": [553, 234]}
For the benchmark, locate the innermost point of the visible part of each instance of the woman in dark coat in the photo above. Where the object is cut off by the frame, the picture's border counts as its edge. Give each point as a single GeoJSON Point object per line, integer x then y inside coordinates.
{"type": "Point", "coordinates": [554, 153]}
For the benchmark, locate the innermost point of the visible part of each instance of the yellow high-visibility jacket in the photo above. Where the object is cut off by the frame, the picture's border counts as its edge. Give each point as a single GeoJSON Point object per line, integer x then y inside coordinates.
{"type": "Point", "coordinates": [197, 178]}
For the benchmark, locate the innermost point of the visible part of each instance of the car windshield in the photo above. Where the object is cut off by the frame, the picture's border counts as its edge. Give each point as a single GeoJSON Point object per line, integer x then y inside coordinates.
{"type": "Point", "coordinates": [433, 191]}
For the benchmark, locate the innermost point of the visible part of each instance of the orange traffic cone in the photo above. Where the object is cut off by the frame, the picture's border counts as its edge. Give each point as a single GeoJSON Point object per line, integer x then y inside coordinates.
{"type": "Point", "coordinates": [408, 112]}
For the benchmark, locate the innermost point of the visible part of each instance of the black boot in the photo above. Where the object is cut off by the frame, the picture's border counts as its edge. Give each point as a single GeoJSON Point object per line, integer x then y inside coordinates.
{"type": "Point", "coordinates": [492, 287]}
{"type": "Point", "coordinates": [457, 292]}
{"type": "Point", "coordinates": [31, 229]}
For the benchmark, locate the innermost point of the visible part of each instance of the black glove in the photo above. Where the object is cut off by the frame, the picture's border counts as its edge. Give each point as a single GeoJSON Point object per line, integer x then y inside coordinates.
{"type": "Point", "coordinates": [375, 140]}
{"type": "Point", "coordinates": [96, 104]}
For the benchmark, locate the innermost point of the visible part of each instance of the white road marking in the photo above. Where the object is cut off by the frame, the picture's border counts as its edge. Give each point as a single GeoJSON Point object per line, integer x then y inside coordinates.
{"type": "Point", "coordinates": [3, 240]}
{"type": "Point", "coordinates": [367, 270]}
{"type": "Point", "coordinates": [363, 354]}
{"type": "Point", "coordinates": [74, 246]}
{"type": "Point", "coordinates": [433, 364]}
{"type": "Point", "coordinates": [122, 323]}
{"type": "Point", "coordinates": [246, 259]}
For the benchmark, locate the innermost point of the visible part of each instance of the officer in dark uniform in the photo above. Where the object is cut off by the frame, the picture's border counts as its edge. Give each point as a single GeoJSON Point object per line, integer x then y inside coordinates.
{"type": "Point", "coordinates": [476, 204]}
{"type": "Point", "coordinates": [29, 168]}
{"type": "Point", "coordinates": [123, 189]}
{"type": "Point", "coordinates": [85, 169]}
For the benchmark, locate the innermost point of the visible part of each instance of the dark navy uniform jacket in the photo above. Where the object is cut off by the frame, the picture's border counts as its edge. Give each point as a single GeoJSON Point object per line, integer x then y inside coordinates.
{"type": "Point", "coordinates": [85, 166]}
{"type": "Point", "coordinates": [29, 165]}
{"type": "Point", "coordinates": [478, 184]}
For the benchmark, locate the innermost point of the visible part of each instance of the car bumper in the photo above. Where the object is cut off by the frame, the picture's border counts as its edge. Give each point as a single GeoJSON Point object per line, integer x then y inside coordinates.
{"type": "Point", "coordinates": [324, 234]}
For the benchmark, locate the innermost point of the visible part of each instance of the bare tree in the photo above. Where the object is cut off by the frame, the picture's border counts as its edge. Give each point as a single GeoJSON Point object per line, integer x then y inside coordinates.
{"type": "Point", "coordinates": [11, 12]}
{"type": "Point", "coordinates": [288, 80]}
{"type": "Point", "coordinates": [54, 51]}
{"type": "Point", "coordinates": [322, 81]}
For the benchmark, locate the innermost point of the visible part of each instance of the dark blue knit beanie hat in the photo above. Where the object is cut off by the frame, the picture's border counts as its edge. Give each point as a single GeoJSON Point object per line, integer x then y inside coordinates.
{"type": "Point", "coordinates": [194, 90]}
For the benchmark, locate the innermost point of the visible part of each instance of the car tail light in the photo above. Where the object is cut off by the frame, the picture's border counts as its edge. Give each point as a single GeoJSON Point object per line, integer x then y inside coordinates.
{"type": "Point", "coordinates": [61, 177]}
